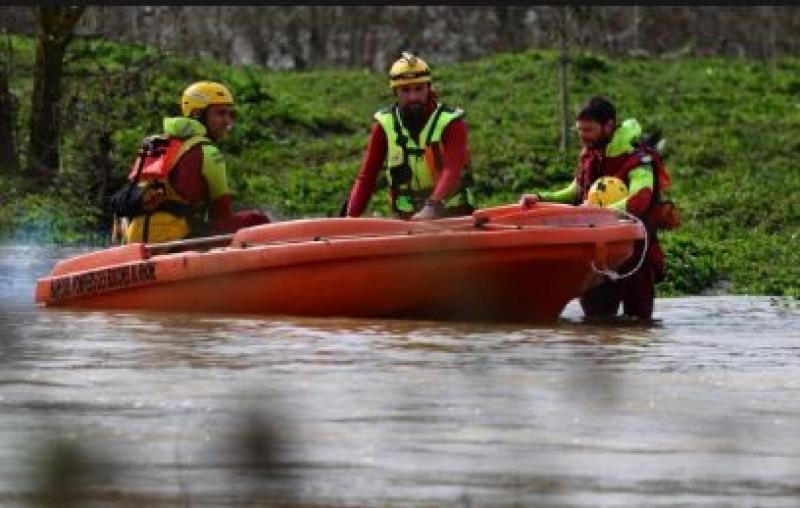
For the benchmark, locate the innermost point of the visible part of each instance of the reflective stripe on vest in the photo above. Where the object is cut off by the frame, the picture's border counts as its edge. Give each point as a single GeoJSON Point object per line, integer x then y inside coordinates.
{"type": "Point", "coordinates": [402, 149]}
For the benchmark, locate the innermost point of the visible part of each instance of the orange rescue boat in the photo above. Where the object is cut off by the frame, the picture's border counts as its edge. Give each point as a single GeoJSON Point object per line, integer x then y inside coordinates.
{"type": "Point", "coordinates": [502, 263]}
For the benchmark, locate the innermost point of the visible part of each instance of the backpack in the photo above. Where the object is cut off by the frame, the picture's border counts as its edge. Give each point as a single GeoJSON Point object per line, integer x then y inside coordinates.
{"type": "Point", "coordinates": [129, 200]}
{"type": "Point", "coordinates": [663, 213]}
{"type": "Point", "coordinates": [144, 191]}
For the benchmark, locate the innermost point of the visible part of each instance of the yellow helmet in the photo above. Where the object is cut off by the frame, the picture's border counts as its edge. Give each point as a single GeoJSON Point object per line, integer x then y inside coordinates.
{"type": "Point", "coordinates": [409, 69]}
{"type": "Point", "coordinates": [607, 190]}
{"type": "Point", "coordinates": [200, 95]}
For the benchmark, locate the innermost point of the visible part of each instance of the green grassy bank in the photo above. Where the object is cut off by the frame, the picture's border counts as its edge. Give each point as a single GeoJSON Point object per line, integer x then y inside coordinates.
{"type": "Point", "coordinates": [730, 126]}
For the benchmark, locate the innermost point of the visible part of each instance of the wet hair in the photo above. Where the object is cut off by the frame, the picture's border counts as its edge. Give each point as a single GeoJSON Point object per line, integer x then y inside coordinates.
{"type": "Point", "coordinates": [599, 109]}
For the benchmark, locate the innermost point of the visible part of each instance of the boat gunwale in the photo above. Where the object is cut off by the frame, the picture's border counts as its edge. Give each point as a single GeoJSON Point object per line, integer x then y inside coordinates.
{"type": "Point", "coordinates": [283, 254]}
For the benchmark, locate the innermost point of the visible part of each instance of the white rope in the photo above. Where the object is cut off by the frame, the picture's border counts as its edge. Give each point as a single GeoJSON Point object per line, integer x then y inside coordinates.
{"type": "Point", "coordinates": [611, 274]}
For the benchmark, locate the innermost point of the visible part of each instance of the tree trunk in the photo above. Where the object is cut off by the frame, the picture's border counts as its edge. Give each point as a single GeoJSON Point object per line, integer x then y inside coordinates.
{"type": "Point", "coordinates": [319, 19]}
{"type": "Point", "coordinates": [563, 67]}
{"type": "Point", "coordinates": [102, 166]}
{"type": "Point", "coordinates": [56, 25]}
{"type": "Point", "coordinates": [511, 27]}
{"type": "Point", "coordinates": [258, 30]}
{"type": "Point", "coordinates": [294, 45]}
{"type": "Point", "coordinates": [353, 28]}
{"type": "Point", "coordinates": [8, 148]}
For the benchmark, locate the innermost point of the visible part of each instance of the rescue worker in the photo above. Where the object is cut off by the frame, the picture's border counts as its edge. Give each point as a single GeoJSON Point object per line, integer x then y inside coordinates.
{"type": "Point", "coordinates": [180, 186]}
{"type": "Point", "coordinates": [423, 146]}
{"type": "Point", "coordinates": [612, 149]}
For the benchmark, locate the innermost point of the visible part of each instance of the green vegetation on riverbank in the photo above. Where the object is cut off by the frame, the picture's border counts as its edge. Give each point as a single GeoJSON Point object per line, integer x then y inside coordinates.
{"type": "Point", "coordinates": [730, 126]}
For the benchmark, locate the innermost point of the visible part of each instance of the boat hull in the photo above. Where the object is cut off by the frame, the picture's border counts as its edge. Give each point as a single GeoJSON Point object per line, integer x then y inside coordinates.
{"type": "Point", "coordinates": [506, 264]}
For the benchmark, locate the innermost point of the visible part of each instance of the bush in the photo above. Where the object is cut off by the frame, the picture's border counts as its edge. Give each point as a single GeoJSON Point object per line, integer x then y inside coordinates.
{"type": "Point", "coordinates": [300, 136]}
{"type": "Point", "coordinates": [691, 266]}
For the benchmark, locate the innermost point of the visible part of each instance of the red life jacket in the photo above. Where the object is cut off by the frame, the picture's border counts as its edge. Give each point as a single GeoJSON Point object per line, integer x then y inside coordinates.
{"type": "Point", "coordinates": [160, 155]}
{"type": "Point", "coordinates": [149, 189]}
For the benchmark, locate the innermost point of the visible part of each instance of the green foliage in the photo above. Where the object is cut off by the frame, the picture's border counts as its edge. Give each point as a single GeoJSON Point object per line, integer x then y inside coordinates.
{"type": "Point", "coordinates": [729, 123]}
{"type": "Point", "coordinates": [47, 218]}
{"type": "Point", "coordinates": [760, 263]}
{"type": "Point", "coordinates": [691, 265]}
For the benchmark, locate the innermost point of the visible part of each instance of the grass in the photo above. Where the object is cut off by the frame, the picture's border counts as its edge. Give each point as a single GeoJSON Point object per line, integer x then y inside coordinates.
{"type": "Point", "coordinates": [729, 125]}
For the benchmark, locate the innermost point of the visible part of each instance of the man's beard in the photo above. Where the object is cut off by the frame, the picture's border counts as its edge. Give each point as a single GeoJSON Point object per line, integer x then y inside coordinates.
{"type": "Point", "coordinates": [598, 144]}
{"type": "Point", "coordinates": [413, 116]}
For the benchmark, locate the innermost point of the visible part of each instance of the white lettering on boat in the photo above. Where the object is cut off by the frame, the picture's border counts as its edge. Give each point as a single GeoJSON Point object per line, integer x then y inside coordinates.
{"type": "Point", "coordinates": [99, 281]}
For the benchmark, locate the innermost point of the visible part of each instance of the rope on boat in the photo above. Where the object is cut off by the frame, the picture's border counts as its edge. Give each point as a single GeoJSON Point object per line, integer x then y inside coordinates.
{"type": "Point", "coordinates": [613, 275]}
{"type": "Point", "coordinates": [483, 223]}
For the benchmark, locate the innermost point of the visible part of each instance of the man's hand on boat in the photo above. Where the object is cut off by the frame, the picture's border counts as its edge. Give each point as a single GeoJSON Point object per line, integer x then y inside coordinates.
{"type": "Point", "coordinates": [428, 212]}
{"type": "Point", "coordinates": [432, 210]}
{"type": "Point", "coordinates": [528, 200]}
{"type": "Point", "coordinates": [239, 220]}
